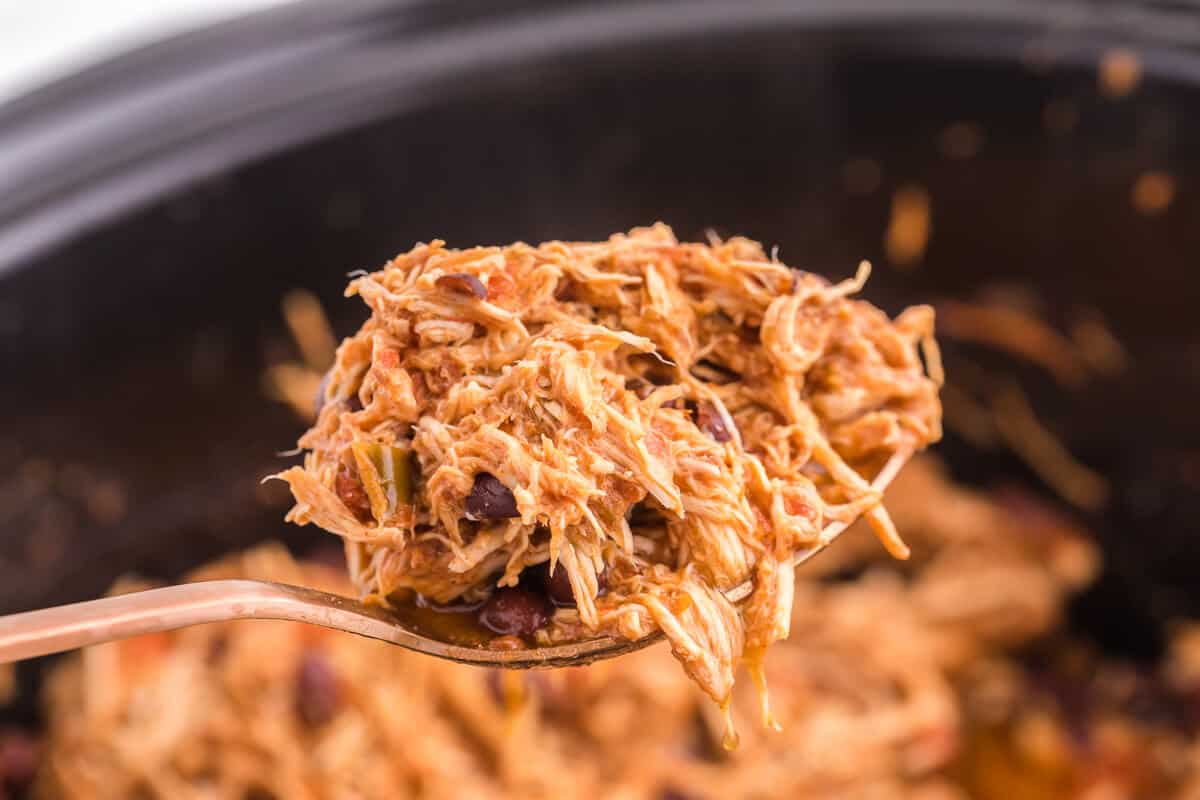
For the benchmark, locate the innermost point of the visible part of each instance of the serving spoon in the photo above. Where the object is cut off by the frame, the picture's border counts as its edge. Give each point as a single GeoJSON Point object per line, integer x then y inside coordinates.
{"type": "Point", "coordinates": [52, 630]}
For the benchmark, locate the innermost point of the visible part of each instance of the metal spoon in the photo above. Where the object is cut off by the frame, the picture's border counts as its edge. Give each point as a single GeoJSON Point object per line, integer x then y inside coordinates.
{"type": "Point", "coordinates": [53, 630]}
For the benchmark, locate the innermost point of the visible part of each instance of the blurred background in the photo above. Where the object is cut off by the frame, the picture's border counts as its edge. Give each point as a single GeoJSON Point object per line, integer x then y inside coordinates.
{"type": "Point", "coordinates": [46, 41]}
{"type": "Point", "coordinates": [184, 187]}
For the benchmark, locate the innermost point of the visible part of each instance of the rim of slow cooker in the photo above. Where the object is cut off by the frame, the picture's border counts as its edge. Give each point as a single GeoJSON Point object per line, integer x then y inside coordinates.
{"type": "Point", "coordinates": [116, 136]}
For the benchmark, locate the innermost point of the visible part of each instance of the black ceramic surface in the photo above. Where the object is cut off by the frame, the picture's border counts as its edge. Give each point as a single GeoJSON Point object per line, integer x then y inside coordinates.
{"type": "Point", "coordinates": [153, 212]}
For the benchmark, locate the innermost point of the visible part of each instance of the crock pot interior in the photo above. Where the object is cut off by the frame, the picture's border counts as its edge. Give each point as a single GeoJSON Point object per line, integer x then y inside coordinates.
{"type": "Point", "coordinates": [134, 353]}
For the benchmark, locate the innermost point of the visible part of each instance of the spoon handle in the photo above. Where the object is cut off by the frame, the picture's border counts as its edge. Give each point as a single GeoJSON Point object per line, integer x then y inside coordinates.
{"type": "Point", "coordinates": [53, 630]}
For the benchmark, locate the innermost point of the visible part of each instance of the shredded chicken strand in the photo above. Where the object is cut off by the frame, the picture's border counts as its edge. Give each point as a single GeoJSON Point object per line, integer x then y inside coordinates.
{"type": "Point", "coordinates": [682, 417]}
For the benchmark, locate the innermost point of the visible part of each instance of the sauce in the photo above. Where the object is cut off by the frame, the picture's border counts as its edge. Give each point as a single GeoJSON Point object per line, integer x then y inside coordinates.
{"type": "Point", "coordinates": [456, 623]}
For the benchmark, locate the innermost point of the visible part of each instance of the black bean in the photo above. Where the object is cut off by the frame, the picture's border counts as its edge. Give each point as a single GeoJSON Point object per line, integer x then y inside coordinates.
{"type": "Point", "coordinates": [490, 499]}
{"type": "Point", "coordinates": [462, 283]}
{"type": "Point", "coordinates": [709, 420]}
{"type": "Point", "coordinates": [515, 612]}
{"type": "Point", "coordinates": [558, 584]}
{"type": "Point", "coordinates": [19, 753]}
{"type": "Point", "coordinates": [317, 693]}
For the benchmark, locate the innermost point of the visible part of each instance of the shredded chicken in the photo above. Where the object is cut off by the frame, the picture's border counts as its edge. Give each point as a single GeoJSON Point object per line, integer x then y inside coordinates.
{"type": "Point", "coordinates": [909, 228]}
{"type": "Point", "coordinates": [671, 419]}
{"type": "Point", "coordinates": [1016, 331]}
{"type": "Point", "coordinates": [1045, 454]}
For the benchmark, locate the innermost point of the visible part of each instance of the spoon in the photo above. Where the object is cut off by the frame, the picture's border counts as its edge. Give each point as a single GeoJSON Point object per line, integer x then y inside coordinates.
{"type": "Point", "coordinates": [52, 630]}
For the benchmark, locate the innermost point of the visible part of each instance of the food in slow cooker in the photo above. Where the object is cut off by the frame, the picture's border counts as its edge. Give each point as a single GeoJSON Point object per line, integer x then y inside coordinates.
{"type": "Point", "coordinates": [585, 438]}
